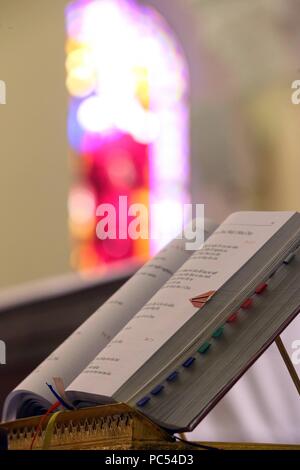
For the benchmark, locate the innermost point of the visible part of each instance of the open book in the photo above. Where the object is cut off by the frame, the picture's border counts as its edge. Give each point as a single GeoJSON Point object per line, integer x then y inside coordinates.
{"type": "Point", "coordinates": [189, 343]}
{"type": "Point", "coordinates": [32, 396]}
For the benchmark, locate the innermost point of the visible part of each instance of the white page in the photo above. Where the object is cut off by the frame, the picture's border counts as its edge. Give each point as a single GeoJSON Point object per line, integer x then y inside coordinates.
{"type": "Point", "coordinates": [225, 252]}
{"type": "Point", "coordinates": [69, 359]}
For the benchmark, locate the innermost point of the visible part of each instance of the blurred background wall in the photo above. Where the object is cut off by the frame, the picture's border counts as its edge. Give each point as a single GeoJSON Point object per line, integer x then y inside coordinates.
{"type": "Point", "coordinates": [34, 174]}
{"type": "Point", "coordinates": [242, 57]}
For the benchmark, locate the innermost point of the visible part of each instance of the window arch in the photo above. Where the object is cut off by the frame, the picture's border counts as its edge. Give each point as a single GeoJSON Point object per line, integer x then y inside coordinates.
{"type": "Point", "coordinates": [128, 125]}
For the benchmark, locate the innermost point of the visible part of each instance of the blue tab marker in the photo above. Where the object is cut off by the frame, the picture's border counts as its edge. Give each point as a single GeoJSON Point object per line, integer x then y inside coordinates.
{"type": "Point", "coordinates": [156, 390]}
{"type": "Point", "coordinates": [188, 362]}
{"type": "Point", "coordinates": [143, 401]}
{"type": "Point", "coordinates": [173, 376]}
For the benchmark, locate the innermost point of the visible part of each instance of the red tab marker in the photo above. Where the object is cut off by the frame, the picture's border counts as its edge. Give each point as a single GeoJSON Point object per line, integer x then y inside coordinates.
{"type": "Point", "coordinates": [247, 304]}
{"type": "Point", "coordinates": [261, 288]}
{"type": "Point", "coordinates": [232, 318]}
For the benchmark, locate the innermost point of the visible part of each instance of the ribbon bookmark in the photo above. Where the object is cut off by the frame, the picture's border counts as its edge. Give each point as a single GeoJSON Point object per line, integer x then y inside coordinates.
{"type": "Point", "coordinates": [49, 431]}
{"type": "Point", "coordinates": [60, 387]}
{"type": "Point", "coordinates": [200, 300]}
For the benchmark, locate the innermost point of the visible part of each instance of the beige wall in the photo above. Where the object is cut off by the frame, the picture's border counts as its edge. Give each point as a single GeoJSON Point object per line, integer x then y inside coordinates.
{"type": "Point", "coordinates": [33, 147]}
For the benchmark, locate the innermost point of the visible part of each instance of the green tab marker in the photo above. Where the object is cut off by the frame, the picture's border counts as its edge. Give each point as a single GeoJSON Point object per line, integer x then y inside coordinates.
{"type": "Point", "coordinates": [216, 334]}
{"type": "Point", "coordinates": [204, 348]}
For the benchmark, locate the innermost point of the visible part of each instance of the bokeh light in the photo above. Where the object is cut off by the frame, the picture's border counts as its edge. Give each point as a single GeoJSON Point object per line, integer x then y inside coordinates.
{"type": "Point", "coordinates": [128, 123]}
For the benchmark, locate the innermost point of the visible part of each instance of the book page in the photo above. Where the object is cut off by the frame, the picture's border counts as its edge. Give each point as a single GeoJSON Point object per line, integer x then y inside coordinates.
{"type": "Point", "coordinates": [95, 333]}
{"type": "Point", "coordinates": [224, 253]}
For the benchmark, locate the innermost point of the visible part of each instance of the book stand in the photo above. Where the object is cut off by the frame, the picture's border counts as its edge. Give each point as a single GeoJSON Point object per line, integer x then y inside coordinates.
{"type": "Point", "coordinates": [107, 427]}
{"type": "Point", "coordinates": [289, 365]}
{"type": "Point", "coordinates": [116, 427]}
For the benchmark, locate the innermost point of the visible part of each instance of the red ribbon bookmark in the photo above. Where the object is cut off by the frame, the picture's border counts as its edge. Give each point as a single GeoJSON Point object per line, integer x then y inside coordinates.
{"type": "Point", "coordinates": [200, 300]}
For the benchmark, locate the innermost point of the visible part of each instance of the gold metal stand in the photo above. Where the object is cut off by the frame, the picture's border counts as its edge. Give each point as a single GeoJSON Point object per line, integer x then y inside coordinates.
{"type": "Point", "coordinates": [289, 365]}
{"type": "Point", "coordinates": [117, 427]}
{"type": "Point", "coordinates": [108, 427]}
